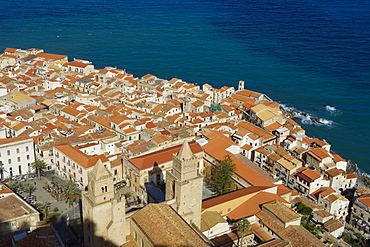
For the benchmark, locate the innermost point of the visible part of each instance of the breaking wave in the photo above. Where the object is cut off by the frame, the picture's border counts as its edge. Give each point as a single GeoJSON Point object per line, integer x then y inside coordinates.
{"type": "Point", "coordinates": [330, 108]}
{"type": "Point", "coordinates": [306, 118]}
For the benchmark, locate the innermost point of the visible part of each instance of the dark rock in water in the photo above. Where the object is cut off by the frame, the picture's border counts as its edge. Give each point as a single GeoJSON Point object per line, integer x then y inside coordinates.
{"type": "Point", "coordinates": [315, 120]}
{"type": "Point", "coordinates": [303, 114]}
{"type": "Point", "coordinates": [290, 113]}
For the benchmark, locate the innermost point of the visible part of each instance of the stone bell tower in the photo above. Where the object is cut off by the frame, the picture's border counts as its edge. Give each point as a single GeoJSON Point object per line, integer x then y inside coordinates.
{"type": "Point", "coordinates": [184, 184]}
{"type": "Point", "coordinates": [104, 216]}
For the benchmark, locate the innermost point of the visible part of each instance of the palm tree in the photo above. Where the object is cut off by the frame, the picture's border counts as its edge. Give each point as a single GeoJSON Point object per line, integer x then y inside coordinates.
{"type": "Point", "coordinates": [28, 188]}
{"type": "Point", "coordinates": [44, 205]}
{"type": "Point", "coordinates": [70, 184]}
{"type": "Point", "coordinates": [13, 185]}
{"type": "Point", "coordinates": [72, 194]}
{"type": "Point", "coordinates": [38, 165]}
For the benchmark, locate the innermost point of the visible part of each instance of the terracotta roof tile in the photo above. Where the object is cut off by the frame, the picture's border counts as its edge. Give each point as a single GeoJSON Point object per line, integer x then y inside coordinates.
{"type": "Point", "coordinates": [11, 207]}
{"type": "Point", "coordinates": [71, 111]}
{"type": "Point", "coordinates": [164, 227]}
{"type": "Point", "coordinates": [79, 157]}
{"type": "Point", "coordinates": [323, 213]}
{"type": "Point", "coordinates": [365, 199]}
{"type": "Point", "coordinates": [281, 211]}
{"type": "Point", "coordinates": [319, 153]}
{"type": "Point", "coordinates": [351, 175]}
{"type": "Point", "coordinates": [308, 175]}
{"type": "Point", "coordinates": [253, 205]}
{"type": "Point", "coordinates": [216, 147]}
{"type": "Point", "coordinates": [363, 191]}
{"type": "Point", "coordinates": [298, 236]}
{"type": "Point", "coordinates": [333, 225]}
{"type": "Point", "coordinates": [76, 64]}
{"type": "Point", "coordinates": [14, 139]}
{"type": "Point", "coordinates": [235, 195]}
{"type": "Point", "coordinates": [307, 202]}
{"type": "Point", "coordinates": [49, 56]}
{"type": "Point", "coordinates": [256, 130]}
{"type": "Point", "coordinates": [162, 156]}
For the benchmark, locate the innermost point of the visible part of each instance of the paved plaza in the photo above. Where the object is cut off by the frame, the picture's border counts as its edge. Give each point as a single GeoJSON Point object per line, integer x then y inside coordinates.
{"type": "Point", "coordinates": [68, 214]}
{"type": "Point", "coordinates": [42, 195]}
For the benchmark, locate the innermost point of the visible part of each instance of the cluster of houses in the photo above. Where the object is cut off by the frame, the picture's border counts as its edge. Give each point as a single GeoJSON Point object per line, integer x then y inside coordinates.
{"type": "Point", "coordinates": [76, 117]}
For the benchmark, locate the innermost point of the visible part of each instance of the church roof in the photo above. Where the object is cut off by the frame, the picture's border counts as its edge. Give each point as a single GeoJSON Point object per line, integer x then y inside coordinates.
{"type": "Point", "coordinates": [164, 227]}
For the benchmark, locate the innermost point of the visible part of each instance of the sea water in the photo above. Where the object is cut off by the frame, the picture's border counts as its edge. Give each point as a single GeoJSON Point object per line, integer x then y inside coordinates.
{"type": "Point", "coordinates": [310, 55]}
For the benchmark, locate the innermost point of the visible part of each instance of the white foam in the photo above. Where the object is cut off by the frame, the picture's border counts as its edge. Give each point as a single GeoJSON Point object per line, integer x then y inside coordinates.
{"type": "Point", "coordinates": [326, 121]}
{"type": "Point", "coordinates": [330, 108]}
{"type": "Point", "coordinates": [306, 118]}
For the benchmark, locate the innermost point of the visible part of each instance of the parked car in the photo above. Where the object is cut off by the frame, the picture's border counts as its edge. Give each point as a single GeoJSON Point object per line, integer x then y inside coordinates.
{"type": "Point", "coordinates": [71, 242]}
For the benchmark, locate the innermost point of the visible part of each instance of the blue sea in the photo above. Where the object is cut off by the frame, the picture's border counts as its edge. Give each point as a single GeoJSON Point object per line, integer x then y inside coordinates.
{"type": "Point", "coordinates": [310, 55]}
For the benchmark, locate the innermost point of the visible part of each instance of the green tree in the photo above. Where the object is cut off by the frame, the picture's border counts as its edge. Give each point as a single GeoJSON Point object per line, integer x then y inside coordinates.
{"type": "Point", "coordinates": [38, 165]}
{"type": "Point", "coordinates": [128, 194]}
{"type": "Point", "coordinates": [72, 194]}
{"type": "Point", "coordinates": [360, 240]}
{"type": "Point", "coordinates": [70, 184]}
{"type": "Point", "coordinates": [13, 185]}
{"type": "Point", "coordinates": [347, 237]}
{"type": "Point", "coordinates": [28, 188]}
{"type": "Point", "coordinates": [306, 211]}
{"type": "Point", "coordinates": [44, 206]}
{"type": "Point", "coordinates": [356, 240]}
{"type": "Point", "coordinates": [243, 227]}
{"type": "Point", "coordinates": [301, 206]}
{"type": "Point", "coordinates": [223, 177]}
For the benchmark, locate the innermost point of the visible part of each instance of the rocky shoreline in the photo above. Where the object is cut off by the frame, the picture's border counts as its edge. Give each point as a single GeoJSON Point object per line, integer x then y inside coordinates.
{"type": "Point", "coordinates": [363, 179]}
{"type": "Point", "coordinates": [292, 113]}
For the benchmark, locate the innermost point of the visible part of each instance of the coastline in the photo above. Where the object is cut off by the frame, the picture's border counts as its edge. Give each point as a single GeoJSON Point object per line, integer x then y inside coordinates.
{"type": "Point", "coordinates": [363, 178]}
{"type": "Point", "coordinates": [151, 112]}
{"type": "Point", "coordinates": [223, 50]}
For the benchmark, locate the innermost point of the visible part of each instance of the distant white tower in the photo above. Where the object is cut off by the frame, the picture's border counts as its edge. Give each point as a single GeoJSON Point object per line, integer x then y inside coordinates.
{"type": "Point", "coordinates": [241, 85]}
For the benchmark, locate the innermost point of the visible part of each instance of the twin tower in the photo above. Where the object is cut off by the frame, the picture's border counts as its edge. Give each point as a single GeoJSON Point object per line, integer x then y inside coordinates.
{"type": "Point", "coordinates": [104, 216]}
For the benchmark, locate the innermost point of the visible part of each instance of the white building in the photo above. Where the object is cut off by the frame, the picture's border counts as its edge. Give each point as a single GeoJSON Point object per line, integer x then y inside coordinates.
{"type": "Point", "coordinates": [16, 156]}
{"type": "Point", "coordinates": [72, 163]}
{"type": "Point", "coordinates": [307, 180]}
